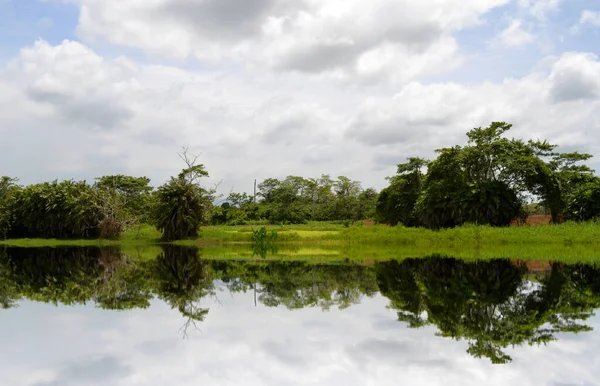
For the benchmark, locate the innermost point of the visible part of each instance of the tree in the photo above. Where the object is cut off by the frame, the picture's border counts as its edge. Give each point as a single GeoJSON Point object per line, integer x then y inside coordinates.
{"type": "Point", "coordinates": [319, 197]}
{"type": "Point", "coordinates": [135, 192]}
{"type": "Point", "coordinates": [488, 181]}
{"type": "Point", "coordinates": [396, 203]}
{"type": "Point", "coordinates": [584, 204]}
{"type": "Point", "coordinates": [345, 205]}
{"type": "Point", "coordinates": [367, 200]}
{"type": "Point", "coordinates": [8, 193]}
{"type": "Point", "coordinates": [182, 204]}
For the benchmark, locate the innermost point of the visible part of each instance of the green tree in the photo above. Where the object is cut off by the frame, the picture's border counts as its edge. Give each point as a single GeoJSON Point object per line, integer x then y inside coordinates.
{"type": "Point", "coordinates": [584, 204]}
{"type": "Point", "coordinates": [367, 201]}
{"type": "Point", "coordinates": [396, 203]}
{"type": "Point", "coordinates": [135, 192]}
{"type": "Point", "coordinates": [182, 204]}
{"type": "Point", "coordinates": [486, 182]}
{"type": "Point", "coordinates": [8, 194]}
{"type": "Point", "coordinates": [346, 204]}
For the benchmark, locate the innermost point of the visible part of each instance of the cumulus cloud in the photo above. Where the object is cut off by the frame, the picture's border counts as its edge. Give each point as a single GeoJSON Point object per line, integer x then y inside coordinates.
{"type": "Point", "coordinates": [587, 18]}
{"type": "Point", "coordinates": [340, 38]}
{"type": "Point", "coordinates": [425, 116]}
{"type": "Point", "coordinates": [576, 76]}
{"type": "Point", "coordinates": [97, 116]}
{"type": "Point", "coordinates": [71, 113]}
{"type": "Point", "coordinates": [76, 82]}
{"type": "Point", "coordinates": [515, 36]}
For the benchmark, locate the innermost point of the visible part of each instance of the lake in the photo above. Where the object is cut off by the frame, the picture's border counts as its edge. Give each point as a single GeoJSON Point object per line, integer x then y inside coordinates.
{"type": "Point", "coordinates": [96, 316]}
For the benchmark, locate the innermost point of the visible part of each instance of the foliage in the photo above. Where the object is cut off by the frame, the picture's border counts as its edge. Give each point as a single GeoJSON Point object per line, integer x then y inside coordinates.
{"type": "Point", "coordinates": [489, 304]}
{"type": "Point", "coordinates": [396, 203]}
{"type": "Point", "coordinates": [8, 193]}
{"type": "Point", "coordinates": [182, 204]}
{"type": "Point", "coordinates": [585, 201]}
{"type": "Point", "coordinates": [133, 193]}
{"type": "Point", "coordinates": [66, 209]}
{"type": "Point", "coordinates": [488, 181]}
{"type": "Point", "coordinates": [297, 200]}
{"type": "Point", "coordinates": [263, 242]}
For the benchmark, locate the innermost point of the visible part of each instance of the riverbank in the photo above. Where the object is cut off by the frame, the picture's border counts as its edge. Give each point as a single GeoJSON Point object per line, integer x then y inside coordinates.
{"type": "Point", "coordinates": [468, 236]}
{"type": "Point", "coordinates": [326, 242]}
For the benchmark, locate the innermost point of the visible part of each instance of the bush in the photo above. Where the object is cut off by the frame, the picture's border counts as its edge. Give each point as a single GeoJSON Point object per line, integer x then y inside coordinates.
{"type": "Point", "coordinates": [66, 209]}
{"type": "Point", "coordinates": [182, 205]}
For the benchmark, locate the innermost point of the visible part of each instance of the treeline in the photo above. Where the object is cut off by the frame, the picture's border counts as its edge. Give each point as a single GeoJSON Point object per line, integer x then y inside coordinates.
{"type": "Point", "coordinates": [296, 200]}
{"type": "Point", "coordinates": [106, 208]}
{"type": "Point", "coordinates": [490, 181]}
{"type": "Point", "coordinates": [112, 204]}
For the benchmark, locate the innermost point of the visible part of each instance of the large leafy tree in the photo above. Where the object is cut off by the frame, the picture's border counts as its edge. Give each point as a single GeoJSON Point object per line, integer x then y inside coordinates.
{"type": "Point", "coordinates": [488, 181]}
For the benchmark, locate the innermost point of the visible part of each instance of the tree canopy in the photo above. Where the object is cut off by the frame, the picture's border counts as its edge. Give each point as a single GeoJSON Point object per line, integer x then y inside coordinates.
{"type": "Point", "coordinates": [488, 181]}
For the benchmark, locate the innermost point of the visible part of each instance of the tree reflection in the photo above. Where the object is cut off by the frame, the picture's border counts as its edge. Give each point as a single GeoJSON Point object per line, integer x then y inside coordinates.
{"type": "Point", "coordinates": [297, 284]}
{"type": "Point", "coordinates": [123, 284]}
{"type": "Point", "coordinates": [490, 304]}
{"type": "Point", "coordinates": [9, 295]}
{"type": "Point", "coordinates": [182, 280]}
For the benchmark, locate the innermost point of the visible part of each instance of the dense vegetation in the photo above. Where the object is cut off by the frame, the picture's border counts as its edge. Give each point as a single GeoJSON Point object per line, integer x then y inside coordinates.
{"type": "Point", "coordinates": [297, 200]}
{"type": "Point", "coordinates": [491, 180]}
{"type": "Point", "coordinates": [490, 304]}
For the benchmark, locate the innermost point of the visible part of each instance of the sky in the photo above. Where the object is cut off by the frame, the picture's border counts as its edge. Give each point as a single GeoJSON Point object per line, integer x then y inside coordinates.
{"type": "Point", "coordinates": [240, 344]}
{"type": "Point", "coordinates": [270, 88]}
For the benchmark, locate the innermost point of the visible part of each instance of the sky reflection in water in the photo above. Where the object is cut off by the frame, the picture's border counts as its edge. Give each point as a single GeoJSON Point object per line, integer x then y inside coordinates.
{"type": "Point", "coordinates": [294, 341]}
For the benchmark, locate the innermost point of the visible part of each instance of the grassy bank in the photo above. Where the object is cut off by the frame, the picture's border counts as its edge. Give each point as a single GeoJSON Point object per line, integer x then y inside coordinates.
{"type": "Point", "coordinates": [469, 237]}
{"type": "Point", "coordinates": [465, 236]}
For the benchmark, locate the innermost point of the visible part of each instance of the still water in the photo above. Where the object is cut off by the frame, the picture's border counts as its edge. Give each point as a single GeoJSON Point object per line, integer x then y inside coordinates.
{"type": "Point", "coordinates": [91, 316]}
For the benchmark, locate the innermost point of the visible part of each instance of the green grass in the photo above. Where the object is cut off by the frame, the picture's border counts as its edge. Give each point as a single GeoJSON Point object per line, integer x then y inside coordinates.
{"type": "Point", "coordinates": [333, 242]}
{"type": "Point", "coordinates": [474, 236]}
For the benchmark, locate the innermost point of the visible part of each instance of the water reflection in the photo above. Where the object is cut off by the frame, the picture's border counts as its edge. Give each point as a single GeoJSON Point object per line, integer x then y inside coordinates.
{"type": "Point", "coordinates": [493, 305]}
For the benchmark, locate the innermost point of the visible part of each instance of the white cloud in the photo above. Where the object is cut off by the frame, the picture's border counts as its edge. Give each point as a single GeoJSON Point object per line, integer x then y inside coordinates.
{"type": "Point", "coordinates": [587, 18]}
{"type": "Point", "coordinates": [540, 8]}
{"type": "Point", "coordinates": [561, 103]}
{"type": "Point", "coordinates": [515, 36]}
{"type": "Point", "coordinates": [396, 39]}
{"type": "Point", "coordinates": [576, 77]}
{"type": "Point", "coordinates": [71, 113]}
{"type": "Point", "coordinates": [94, 116]}
{"type": "Point", "coordinates": [590, 17]}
